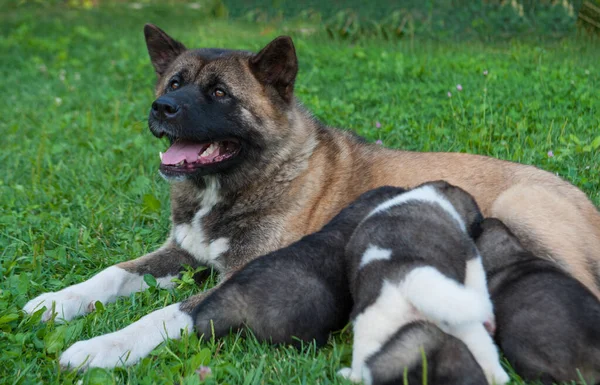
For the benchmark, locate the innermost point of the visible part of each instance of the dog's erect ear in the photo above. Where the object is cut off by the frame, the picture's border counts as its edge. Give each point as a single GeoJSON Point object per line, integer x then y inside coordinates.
{"type": "Point", "coordinates": [277, 65]}
{"type": "Point", "coordinates": [163, 49]}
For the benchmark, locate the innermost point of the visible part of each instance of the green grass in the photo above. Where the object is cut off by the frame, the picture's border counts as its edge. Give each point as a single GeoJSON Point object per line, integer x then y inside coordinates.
{"type": "Point", "coordinates": [79, 190]}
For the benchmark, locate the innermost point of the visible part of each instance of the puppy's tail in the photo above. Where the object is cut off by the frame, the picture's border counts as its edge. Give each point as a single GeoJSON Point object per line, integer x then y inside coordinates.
{"type": "Point", "coordinates": [444, 300]}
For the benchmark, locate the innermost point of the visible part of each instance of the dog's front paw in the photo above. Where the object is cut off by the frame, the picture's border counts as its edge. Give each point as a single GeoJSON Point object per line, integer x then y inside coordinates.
{"type": "Point", "coordinates": [127, 346]}
{"type": "Point", "coordinates": [107, 351]}
{"type": "Point", "coordinates": [348, 374]}
{"type": "Point", "coordinates": [68, 304]}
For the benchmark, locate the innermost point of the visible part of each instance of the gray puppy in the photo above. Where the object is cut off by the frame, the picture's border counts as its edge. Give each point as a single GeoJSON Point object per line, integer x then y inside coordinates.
{"type": "Point", "coordinates": [548, 322]}
{"type": "Point", "coordinates": [413, 258]}
{"type": "Point", "coordinates": [448, 360]}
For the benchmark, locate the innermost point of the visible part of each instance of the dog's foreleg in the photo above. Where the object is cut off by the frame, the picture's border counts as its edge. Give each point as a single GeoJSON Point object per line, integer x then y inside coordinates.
{"type": "Point", "coordinates": [444, 300]}
{"type": "Point", "coordinates": [118, 280]}
{"type": "Point", "coordinates": [127, 346]}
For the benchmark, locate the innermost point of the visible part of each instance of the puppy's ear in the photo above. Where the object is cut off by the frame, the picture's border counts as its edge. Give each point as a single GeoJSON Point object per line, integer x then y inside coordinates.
{"type": "Point", "coordinates": [163, 49]}
{"type": "Point", "coordinates": [476, 228]}
{"type": "Point", "coordinates": [496, 236]}
{"type": "Point", "coordinates": [277, 65]}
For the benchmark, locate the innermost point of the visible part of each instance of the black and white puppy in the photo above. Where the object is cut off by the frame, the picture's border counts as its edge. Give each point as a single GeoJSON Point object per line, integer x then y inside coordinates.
{"type": "Point", "coordinates": [547, 322]}
{"type": "Point", "coordinates": [298, 293]}
{"type": "Point", "coordinates": [448, 360]}
{"type": "Point", "coordinates": [413, 258]}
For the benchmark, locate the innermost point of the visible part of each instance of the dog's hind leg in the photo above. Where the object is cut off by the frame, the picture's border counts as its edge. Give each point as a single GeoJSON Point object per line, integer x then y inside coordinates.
{"type": "Point", "coordinates": [118, 280]}
{"type": "Point", "coordinates": [444, 300]}
{"type": "Point", "coordinates": [483, 349]}
{"type": "Point", "coordinates": [476, 279]}
{"type": "Point", "coordinates": [374, 327]}
{"type": "Point", "coordinates": [557, 222]}
{"type": "Point", "coordinates": [221, 311]}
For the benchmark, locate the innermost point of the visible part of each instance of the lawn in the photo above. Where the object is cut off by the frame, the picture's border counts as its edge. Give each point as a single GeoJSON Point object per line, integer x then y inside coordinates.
{"type": "Point", "coordinates": [79, 188]}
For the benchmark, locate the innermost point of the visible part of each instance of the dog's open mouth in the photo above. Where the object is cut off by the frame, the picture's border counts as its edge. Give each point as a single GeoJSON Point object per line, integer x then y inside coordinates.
{"type": "Point", "coordinates": [185, 156]}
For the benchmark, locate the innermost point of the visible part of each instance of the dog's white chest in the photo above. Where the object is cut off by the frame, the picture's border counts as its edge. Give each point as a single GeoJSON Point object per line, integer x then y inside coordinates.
{"type": "Point", "coordinates": [191, 236]}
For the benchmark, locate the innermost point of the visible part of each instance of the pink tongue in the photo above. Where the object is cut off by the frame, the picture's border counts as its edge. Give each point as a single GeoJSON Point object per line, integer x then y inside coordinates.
{"type": "Point", "coordinates": [183, 151]}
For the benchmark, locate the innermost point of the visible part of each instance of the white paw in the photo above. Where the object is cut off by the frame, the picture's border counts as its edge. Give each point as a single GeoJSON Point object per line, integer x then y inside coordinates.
{"type": "Point", "coordinates": [348, 374]}
{"type": "Point", "coordinates": [495, 375]}
{"type": "Point", "coordinates": [499, 376]}
{"type": "Point", "coordinates": [127, 346]}
{"type": "Point", "coordinates": [68, 305]}
{"type": "Point", "coordinates": [107, 351]}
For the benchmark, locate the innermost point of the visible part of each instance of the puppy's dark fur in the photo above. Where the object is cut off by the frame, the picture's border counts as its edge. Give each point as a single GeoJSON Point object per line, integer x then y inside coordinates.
{"type": "Point", "coordinates": [548, 324]}
{"type": "Point", "coordinates": [429, 233]}
{"type": "Point", "coordinates": [299, 291]}
{"type": "Point", "coordinates": [407, 230]}
{"type": "Point", "coordinates": [448, 360]}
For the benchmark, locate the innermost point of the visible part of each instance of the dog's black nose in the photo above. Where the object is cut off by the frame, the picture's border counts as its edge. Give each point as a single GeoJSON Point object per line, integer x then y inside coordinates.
{"type": "Point", "coordinates": [165, 108]}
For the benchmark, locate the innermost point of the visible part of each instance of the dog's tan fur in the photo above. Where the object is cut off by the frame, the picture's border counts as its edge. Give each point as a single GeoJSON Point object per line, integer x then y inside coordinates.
{"type": "Point", "coordinates": [552, 217]}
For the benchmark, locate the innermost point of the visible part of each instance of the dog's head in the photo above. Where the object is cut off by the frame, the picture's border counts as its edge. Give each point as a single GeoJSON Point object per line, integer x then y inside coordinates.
{"type": "Point", "coordinates": [498, 245]}
{"type": "Point", "coordinates": [464, 203]}
{"type": "Point", "coordinates": [220, 109]}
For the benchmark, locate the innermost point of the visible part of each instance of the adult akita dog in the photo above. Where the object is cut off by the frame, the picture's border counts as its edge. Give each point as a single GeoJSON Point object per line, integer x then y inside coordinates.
{"type": "Point", "coordinates": [253, 171]}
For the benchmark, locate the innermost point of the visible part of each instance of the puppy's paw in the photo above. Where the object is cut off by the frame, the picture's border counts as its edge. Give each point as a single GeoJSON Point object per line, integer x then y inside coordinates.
{"type": "Point", "coordinates": [68, 304]}
{"type": "Point", "coordinates": [490, 326]}
{"type": "Point", "coordinates": [107, 351]}
{"type": "Point", "coordinates": [497, 376]}
{"type": "Point", "coordinates": [485, 310]}
{"type": "Point", "coordinates": [348, 374]}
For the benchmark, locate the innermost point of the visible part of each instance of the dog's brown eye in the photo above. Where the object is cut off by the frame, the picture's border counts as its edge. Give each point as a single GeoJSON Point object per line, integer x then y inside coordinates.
{"type": "Point", "coordinates": [174, 84]}
{"type": "Point", "coordinates": [219, 93]}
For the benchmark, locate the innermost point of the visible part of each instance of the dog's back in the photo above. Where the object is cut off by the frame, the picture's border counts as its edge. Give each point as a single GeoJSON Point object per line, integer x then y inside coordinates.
{"type": "Point", "coordinates": [415, 229]}
{"type": "Point", "coordinates": [547, 322]}
{"type": "Point", "coordinates": [447, 360]}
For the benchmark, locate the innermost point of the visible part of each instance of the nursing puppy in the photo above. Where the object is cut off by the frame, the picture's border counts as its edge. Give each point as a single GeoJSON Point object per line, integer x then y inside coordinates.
{"type": "Point", "coordinates": [411, 259]}
{"type": "Point", "coordinates": [547, 321]}
{"type": "Point", "coordinates": [298, 293]}
{"type": "Point", "coordinates": [449, 361]}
